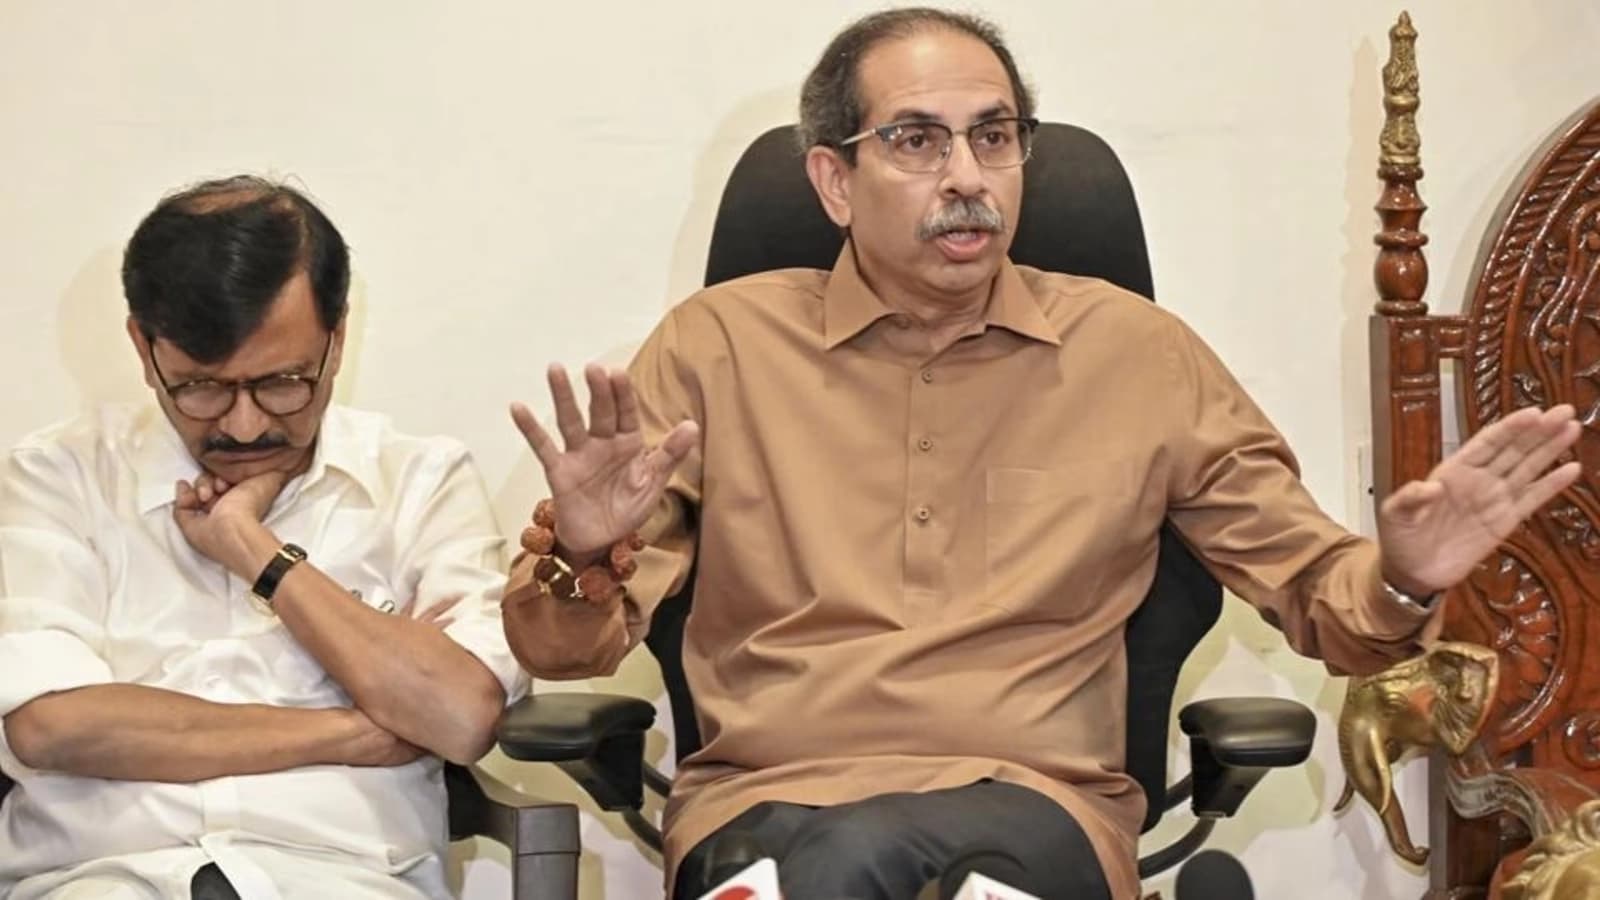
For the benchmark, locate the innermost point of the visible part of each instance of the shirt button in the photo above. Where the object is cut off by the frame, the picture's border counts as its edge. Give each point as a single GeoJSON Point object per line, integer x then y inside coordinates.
{"type": "Point", "coordinates": [925, 444]}
{"type": "Point", "coordinates": [923, 514]}
{"type": "Point", "coordinates": [927, 376]}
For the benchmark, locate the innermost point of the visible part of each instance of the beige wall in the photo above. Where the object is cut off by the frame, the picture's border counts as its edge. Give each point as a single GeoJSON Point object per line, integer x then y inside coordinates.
{"type": "Point", "coordinates": [528, 182]}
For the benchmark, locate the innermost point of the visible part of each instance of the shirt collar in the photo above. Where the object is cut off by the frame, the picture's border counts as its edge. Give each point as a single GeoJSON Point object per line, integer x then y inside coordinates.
{"type": "Point", "coordinates": [850, 306]}
{"type": "Point", "coordinates": [160, 458]}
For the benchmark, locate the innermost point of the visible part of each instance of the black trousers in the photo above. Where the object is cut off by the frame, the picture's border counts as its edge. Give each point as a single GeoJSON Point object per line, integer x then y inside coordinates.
{"type": "Point", "coordinates": [210, 884]}
{"type": "Point", "coordinates": [888, 847]}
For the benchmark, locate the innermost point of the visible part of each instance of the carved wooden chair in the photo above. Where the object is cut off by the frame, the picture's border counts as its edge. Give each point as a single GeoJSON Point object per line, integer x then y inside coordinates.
{"type": "Point", "coordinates": [1529, 336]}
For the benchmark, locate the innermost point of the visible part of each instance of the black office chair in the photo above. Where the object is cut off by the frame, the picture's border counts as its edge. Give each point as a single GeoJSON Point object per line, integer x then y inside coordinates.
{"type": "Point", "coordinates": [1078, 216]}
{"type": "Point", "coordinates": [542, 836]}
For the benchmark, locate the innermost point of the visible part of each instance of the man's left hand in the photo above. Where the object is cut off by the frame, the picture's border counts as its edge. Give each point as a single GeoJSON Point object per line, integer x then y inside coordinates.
{"type": "Point", "coordinates": [1432, 532]}
{"type": "Point", "coordinates": [223, 522]}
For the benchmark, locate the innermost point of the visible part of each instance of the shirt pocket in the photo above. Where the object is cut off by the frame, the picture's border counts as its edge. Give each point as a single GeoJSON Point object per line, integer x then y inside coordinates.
{"type": "Point", "coordinates": [1048, 533]}
{"type": "Point", "coordinates": [365, 582]}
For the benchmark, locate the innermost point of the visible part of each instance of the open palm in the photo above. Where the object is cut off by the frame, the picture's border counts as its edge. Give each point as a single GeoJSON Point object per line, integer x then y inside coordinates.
{"type": "Point", "coordinates": [605, 482]}
{"type": "Point", "coordinates": [1434, 531]}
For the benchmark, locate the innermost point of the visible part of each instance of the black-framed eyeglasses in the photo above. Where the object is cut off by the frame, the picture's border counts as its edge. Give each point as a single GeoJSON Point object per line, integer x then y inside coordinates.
{"type": "Point", "coordinates": [924, 147]}
{"type": "Point", "coordinates": [275, 395]}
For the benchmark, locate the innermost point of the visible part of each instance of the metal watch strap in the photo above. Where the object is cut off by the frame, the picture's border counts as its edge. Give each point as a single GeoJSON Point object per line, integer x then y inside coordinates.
{"type": "Point", "coordinates": [1416, 604]}
{"type": "Point", "coordinates": [267, 583]}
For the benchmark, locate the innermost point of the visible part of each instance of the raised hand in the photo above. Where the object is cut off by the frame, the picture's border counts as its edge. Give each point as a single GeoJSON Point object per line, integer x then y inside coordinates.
{"type": "Point", "coordinates": [605, 482]}
{"type": "Point", "coordinates": [218, 519]}
{"type": "Point", "coordinates": [1432, 532]}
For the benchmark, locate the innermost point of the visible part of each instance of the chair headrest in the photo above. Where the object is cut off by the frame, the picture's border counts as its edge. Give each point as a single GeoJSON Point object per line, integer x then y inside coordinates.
{"type": "Point", "coordinates": [1078, 212]}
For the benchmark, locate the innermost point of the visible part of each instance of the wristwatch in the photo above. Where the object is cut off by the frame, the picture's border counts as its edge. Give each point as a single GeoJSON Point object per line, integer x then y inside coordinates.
{"type": "Point", "coordinates": [1415, 604]}
{"type": "Point", "coordinates": [267, 583]}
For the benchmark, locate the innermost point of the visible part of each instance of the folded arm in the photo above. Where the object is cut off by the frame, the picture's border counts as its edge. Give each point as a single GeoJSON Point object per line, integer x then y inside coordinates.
{"type": "Point", "coordinates": [437, 673]}
{"type": "Point", "coordinates": [136, 733]}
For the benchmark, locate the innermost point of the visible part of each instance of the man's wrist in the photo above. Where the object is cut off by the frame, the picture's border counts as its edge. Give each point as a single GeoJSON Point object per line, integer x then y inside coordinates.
{"type": "Point", "coordinates": [576, 560]}
{"type": "Point", "coordinates": [346, 736]}
{"type": "Point", "coordinates": [1415, 601]}
{"type": "Point", "coordinates": [251, 547]}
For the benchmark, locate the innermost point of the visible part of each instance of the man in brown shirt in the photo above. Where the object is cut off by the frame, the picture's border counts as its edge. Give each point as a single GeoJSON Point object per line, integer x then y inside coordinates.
{"type": "Point", "coordinates": [924, 492]}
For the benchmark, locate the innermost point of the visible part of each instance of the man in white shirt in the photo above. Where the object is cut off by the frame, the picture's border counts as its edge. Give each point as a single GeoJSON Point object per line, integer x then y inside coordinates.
{"type": "Point", "coordinates": [239, 631]}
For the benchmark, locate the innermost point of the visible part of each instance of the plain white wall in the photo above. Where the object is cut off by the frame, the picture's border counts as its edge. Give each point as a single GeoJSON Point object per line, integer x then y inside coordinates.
{"type": "Point", "coordinates": [527, 182]}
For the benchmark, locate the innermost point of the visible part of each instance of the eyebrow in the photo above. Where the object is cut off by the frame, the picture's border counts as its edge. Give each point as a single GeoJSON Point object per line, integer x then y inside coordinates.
{"type": "Point", "coordinates": [302, 368]}
{"type": "Point", "coordinates": [994, 112]}
{"type": "Point", "coordinates": [921, 116]}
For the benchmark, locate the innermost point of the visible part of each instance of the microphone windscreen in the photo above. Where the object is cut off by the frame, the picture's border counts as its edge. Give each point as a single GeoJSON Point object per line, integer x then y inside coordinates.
{"type": "Point", "coordinates": [1213, 875]}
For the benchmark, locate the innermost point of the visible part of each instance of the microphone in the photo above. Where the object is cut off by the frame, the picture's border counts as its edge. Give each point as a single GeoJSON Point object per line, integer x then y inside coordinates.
{"type": "Point", "coordinates": [979, 873]}
{"type": "Point", "coordinates": [1213, 875]}
{"type": "Point", "coordinates": [757, 881]}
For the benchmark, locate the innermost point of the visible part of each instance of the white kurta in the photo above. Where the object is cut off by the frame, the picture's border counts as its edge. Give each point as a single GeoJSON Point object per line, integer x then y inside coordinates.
{"type": "Point", "coordinates": [97, 585]}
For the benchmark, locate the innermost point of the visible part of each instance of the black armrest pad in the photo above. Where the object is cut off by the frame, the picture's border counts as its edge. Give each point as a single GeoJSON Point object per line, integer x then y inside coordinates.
{"type": "Point", "coordinates": [1251, 731]}
{"type": "Point", "coordinates": [568, 726]}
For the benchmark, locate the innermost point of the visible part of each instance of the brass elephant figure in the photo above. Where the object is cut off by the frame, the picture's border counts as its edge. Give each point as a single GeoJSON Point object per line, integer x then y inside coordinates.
{"type": "Point", "coordinates": [1563, 864]}
{"type": "Point", "coordinates": [1439, 698]}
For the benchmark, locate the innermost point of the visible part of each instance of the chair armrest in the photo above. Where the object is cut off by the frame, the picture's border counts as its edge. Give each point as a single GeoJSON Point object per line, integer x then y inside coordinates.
{"type": "Point", "coordinates": [1234, 741]}
{"type": "Point", "coordinates": [1251, 731]}
{"type": "Point", "coordinates": [481, 804]}
{"type": "Point", "coordinates": [569, 726]}
{"type": "Point", "coordinates": [542, 836]}
{"type": "Point", "coordinates": [598, 739]}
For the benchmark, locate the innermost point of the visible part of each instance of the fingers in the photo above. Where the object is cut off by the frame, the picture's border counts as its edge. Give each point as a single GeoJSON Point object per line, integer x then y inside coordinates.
{"type": "Point", "coordinates": [602, 402]}
{"type": "Point", "coordinates": [1501, 446]}
{"type": "Point", "coordinates": [1545, 489]}
{"type": "Point", "coordinates": [203, 490]}
{"type": "Point", "coordinates": [439, 615]}
{"type": "Point", "coordinates": [627, 403]}
{"type": "Point", "coordinates": [184, 496]}
{"type": "Point", "coordinates": [569, 421]}
{"type": "Point", "coordinates": [1539, 457]}
{"type": "Point", "coordinates": [538, 441]}
{"type": "Point", "coordinates": [1547, 426]}
{"type": "Point", "coordinates": [1484, 446]}
{"type": "Point", "coordinates": [1409, 501]}
{"type": "Point", "coordinates": [660, 462]}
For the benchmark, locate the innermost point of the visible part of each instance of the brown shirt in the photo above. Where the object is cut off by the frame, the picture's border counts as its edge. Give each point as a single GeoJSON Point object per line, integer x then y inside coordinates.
{"type": "Point", "coordinates": [915, 568]}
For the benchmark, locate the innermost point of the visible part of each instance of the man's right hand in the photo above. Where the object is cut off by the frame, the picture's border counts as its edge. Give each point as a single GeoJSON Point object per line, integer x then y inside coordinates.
{"type": "Point", "coordinates": [607, 482]}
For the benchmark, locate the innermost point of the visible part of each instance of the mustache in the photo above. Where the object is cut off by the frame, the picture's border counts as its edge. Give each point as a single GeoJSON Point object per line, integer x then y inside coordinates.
{"type": "Point", "coordinates": [965, 214]}
{"type": "Point", "coordinates": [224, 444]}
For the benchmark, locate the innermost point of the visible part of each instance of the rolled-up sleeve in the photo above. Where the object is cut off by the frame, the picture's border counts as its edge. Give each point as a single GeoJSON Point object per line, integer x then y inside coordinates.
{"type": "Point", "coordinates": [53, 591]}
{"type": "Point", "coordinates": [456, 558]}
{"type": "Point", "coordinates": [1236, 497]}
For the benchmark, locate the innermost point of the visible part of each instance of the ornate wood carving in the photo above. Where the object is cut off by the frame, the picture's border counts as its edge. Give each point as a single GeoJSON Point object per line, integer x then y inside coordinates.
{"type": "Point", "coordinates": [1402, 271]}
{"type": "Point", "coordinates": [1530, 336]}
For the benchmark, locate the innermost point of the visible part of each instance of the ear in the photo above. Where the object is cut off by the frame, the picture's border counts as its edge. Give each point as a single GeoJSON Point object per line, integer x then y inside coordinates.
{"type": "Point", "coordinates": [336, 354]}
{"type": "Point", "coordinates": [830, 177]}
{"type": "Point", "coordinates": [1445, 666]}
{"type": "Point", "coordinates": [141, 345]}
{"type": "Point", "coordinates": [1462, 704]}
